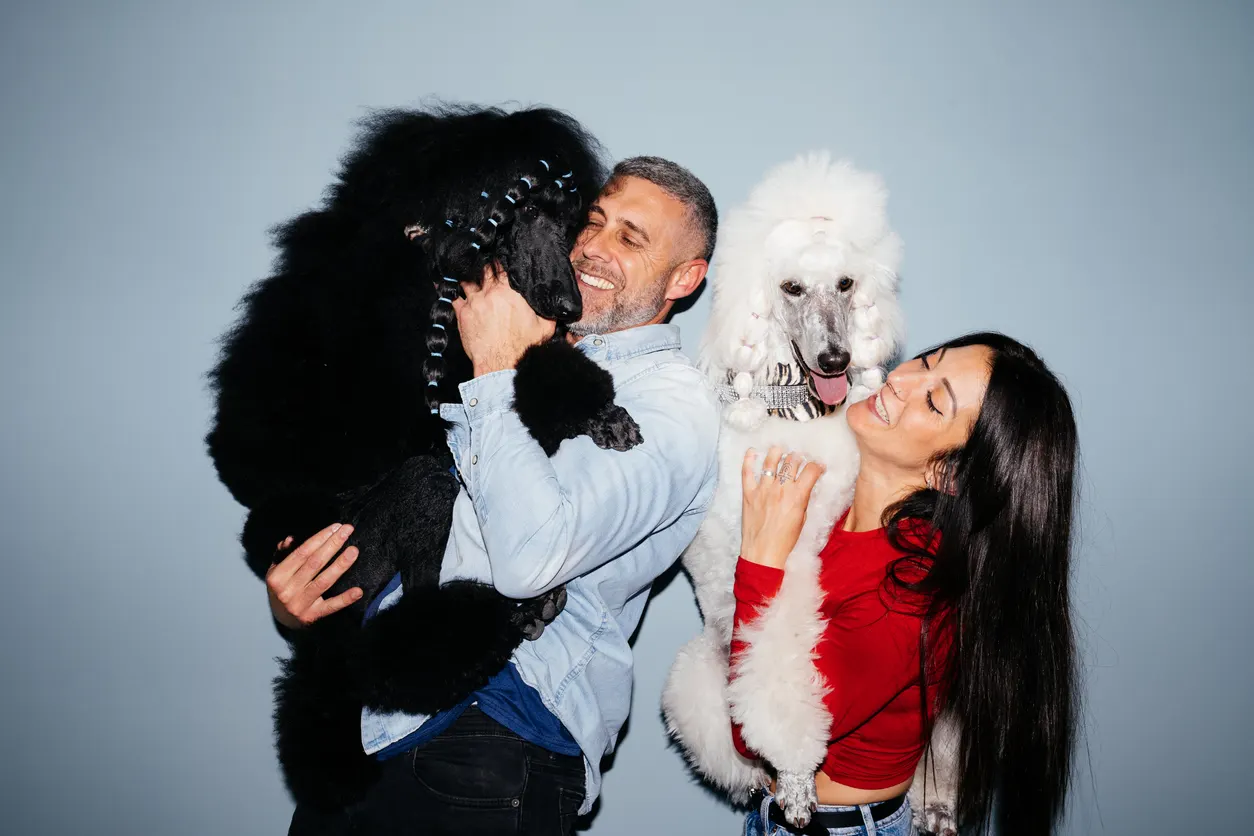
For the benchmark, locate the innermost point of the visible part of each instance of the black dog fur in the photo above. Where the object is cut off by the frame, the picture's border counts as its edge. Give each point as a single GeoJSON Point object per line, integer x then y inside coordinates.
{"type": "Point", "coordinates": [326, 394]}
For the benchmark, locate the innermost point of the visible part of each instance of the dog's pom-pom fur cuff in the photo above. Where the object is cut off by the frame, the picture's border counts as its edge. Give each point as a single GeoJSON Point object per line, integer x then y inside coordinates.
{"type": "Point", "coordinates": [694, 705]}
{"type": "Point", "coordinates": [317, 718]}
{"type": "Point", "coordinates": [559, 393]}
{"type": "Point", "coordinates": [434, 647]}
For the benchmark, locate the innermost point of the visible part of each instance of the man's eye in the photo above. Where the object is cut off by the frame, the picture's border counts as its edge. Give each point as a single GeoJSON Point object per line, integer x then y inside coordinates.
{"type": "Point", "coordinates": [629, 241]}
{"type": "Point", "coordinates": [792, 288]}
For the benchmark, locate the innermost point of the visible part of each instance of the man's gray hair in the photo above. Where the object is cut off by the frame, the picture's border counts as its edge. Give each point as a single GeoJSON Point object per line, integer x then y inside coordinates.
{"type": "Point", "coordinates": [683, 185]}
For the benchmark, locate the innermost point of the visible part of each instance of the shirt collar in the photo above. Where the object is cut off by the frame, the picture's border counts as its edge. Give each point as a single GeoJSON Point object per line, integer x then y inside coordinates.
{"type": "Point", "coordinates": [631, 342]}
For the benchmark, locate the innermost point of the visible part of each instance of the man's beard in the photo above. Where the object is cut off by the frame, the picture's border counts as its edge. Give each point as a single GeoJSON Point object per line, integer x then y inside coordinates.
{"type": "Point", "coordinates": [626, 310]}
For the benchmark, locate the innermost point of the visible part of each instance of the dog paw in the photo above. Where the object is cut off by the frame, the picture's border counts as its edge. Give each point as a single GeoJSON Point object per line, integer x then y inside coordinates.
{"type": "Point", "coordinates": [614, 429]}
{"type": "Point", "coordinates": [936, 818]}
{"type": "Point", "coordinates": [533, 615]}
{"type": "Point", "coordinates": [797, 796]}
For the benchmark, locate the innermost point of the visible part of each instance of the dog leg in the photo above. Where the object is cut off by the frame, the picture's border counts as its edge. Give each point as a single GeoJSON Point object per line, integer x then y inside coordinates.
{"type": "Point", "coordinates": [533, 615]}
{"type": "Point", "coordinates": [934, 793]}
{"type": "Point", "coordinates": [797, 796]}
{"type": "Point", "coordinates": [559, 394]}
{"type": "Point", "coordinates": [614, 429]}
{"type": "Point", "coordinates": [317, 721]}
{"type": "Point", "coordinates": [435, 646]}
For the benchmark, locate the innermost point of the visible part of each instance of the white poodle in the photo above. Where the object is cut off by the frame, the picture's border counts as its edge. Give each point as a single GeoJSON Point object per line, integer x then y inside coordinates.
{"type": "Point", "coordinates": [804, 319]}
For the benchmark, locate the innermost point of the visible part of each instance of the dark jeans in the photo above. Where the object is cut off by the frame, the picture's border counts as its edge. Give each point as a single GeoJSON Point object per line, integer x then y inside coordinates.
{"type": "Point", "coordinates": [478, 777]}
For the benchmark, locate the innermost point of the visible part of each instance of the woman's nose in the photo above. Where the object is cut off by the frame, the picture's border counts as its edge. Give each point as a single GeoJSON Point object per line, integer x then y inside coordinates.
{"type": "Point", "coordinates": [900, 382]}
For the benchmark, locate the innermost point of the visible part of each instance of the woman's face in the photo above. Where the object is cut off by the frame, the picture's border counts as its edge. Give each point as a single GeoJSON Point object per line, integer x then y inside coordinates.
{"type": "Point", "coordinates": [926, 407]}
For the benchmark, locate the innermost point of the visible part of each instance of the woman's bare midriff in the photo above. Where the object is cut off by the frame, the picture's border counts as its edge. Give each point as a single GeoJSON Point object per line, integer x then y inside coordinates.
{"type": "Point", "coordinates": [833, 793]}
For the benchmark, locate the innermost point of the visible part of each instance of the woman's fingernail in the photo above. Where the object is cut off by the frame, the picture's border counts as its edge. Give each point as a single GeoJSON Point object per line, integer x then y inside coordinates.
{"type": "Point", "coordinates": [335, 528]}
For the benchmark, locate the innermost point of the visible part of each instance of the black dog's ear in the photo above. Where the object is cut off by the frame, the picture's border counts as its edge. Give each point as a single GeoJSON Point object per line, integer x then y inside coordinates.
{"type": "Point", "coordinates": [536, 254]}
{"type": "Point", "coordinates": [559, 394]}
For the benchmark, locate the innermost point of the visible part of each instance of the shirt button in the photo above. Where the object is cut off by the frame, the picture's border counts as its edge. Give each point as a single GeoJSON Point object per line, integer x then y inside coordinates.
{"type": "Point", "coordinates": [474, 401]}
{"type": "Point", "coordinates": [474, 459]}
{"type": "Point", "coordinates": [598, 341]}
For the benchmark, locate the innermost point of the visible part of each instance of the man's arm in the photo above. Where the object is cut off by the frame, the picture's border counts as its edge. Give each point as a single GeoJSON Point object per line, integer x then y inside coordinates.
{"type": "Point", "coordinates": [564, 516]}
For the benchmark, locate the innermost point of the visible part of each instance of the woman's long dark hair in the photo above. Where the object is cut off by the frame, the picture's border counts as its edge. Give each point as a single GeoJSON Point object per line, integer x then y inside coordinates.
{"type": "Point", "coordinates": [998, 583]}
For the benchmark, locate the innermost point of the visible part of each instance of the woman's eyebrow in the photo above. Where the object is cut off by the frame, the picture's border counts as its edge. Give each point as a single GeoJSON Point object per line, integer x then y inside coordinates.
{"type": "Point", "coordinates": [952, 396]}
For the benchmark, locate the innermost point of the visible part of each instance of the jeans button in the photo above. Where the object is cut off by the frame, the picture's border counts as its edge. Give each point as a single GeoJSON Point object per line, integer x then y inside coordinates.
{"type": "Point", "coordinates": [513, 802]}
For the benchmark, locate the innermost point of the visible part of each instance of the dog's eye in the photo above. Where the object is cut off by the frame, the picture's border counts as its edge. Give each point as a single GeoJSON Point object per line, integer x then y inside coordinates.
{"type": "Point", "coordinates": [791, 288]}
{"type": "Point", "coordinates": [844, 284]}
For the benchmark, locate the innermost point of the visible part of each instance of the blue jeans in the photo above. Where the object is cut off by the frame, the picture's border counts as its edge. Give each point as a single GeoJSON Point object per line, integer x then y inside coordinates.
{"type": "Point", "coordinates": [898, 824]}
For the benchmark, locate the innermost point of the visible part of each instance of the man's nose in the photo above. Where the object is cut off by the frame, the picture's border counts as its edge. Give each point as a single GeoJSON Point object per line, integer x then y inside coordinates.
{"type": "Point", "coordinates": [591, 245]}
{"type": "Point", "coordinates": [833, 360]}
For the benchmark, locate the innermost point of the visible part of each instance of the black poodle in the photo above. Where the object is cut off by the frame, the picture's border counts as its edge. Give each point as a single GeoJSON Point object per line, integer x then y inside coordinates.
{"type": "Point", "coordinates": [328, 390]}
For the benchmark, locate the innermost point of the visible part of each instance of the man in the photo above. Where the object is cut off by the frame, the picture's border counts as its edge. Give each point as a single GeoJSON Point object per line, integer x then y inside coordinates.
{"type": "Point", "coordinates": [522, 755]}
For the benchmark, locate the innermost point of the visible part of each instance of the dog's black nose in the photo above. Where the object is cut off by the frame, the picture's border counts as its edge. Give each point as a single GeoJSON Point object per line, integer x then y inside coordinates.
{"type": "Point", "coordinates": [567, 310]}
{"type": "Point", "coordinates": [833, 361]}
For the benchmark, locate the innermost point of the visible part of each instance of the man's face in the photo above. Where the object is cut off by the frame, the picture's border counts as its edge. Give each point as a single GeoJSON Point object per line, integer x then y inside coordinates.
{"type": "Point", "coordinates": [636, 237]}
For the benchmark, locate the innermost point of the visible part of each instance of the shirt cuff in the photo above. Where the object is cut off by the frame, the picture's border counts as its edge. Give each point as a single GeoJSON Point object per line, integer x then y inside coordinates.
{"type": "Point", "coordinates": [756, 584]}
{"type": "Point", "coordinates": [482, 396]}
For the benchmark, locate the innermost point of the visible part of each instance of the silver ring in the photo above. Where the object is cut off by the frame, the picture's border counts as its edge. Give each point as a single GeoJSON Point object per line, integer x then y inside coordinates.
{"type": "Point", "coordinates": [768, 474]}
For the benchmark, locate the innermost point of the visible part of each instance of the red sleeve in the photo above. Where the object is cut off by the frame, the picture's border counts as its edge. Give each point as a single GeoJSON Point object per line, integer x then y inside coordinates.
{"type": "Point", "coordinates": [756, 586]}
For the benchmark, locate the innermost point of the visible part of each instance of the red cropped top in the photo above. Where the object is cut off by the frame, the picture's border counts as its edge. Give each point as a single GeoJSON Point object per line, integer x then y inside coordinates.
{"type": "Point", "coordinates": [868, 655]}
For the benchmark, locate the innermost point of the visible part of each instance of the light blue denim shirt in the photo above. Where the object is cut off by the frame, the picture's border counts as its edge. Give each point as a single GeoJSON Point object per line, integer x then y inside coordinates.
{"type": "Point", "coordinates": [602, 522]}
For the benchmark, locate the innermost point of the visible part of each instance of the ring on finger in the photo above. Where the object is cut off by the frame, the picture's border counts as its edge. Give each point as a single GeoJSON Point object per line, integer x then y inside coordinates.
{"type": "Point", "coordinates": [767, 473]}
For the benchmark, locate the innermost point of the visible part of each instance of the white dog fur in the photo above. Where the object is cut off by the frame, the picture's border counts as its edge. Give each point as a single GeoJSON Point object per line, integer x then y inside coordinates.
{"type": "Point", "coordinates": [814, 221]}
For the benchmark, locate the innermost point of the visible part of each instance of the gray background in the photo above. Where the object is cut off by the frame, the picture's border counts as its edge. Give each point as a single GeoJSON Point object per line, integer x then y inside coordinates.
{"type": "Point", "coordinates": [1076, 174]}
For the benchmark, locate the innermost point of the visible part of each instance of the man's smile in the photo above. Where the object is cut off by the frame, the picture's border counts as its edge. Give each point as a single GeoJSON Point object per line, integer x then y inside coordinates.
{"type": "Point", "coordinates": [595, 281]}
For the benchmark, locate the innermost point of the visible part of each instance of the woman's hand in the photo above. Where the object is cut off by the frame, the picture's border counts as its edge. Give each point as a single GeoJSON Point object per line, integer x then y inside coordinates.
{"type": "Point", "coordinates": [297, 582]}
{"type": "Point", "coordinates": [774, 508]}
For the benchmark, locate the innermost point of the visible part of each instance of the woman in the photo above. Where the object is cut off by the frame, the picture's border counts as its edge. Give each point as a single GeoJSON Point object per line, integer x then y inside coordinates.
{"type": "Point", "coordinates": [945, 588]}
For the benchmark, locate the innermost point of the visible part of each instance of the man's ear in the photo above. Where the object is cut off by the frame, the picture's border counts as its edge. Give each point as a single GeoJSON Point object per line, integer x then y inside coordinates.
{"type": "Point", "coordinates": [686, 278]}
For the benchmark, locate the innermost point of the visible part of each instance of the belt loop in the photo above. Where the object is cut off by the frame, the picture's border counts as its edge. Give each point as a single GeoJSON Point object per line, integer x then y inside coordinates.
{"type": "Point", "coordinates": [765, 812]}
{"type": "Point", "coordinates": [868, 819]}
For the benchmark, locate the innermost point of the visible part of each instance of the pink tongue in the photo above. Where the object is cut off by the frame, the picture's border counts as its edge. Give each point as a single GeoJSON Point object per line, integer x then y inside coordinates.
{"type": "Point", "coordinates": [832, 390]}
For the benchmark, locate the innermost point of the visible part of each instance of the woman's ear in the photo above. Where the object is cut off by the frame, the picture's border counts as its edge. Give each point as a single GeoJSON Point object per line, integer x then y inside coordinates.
{"type": "Point", "coordinates": [939, 477]}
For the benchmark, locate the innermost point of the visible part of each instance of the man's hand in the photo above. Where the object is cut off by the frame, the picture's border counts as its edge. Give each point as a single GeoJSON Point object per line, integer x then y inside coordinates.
{"type": "Point", "coordinates": [496, 324]}
{"type": "Point", "coordinates": [295, 585]}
